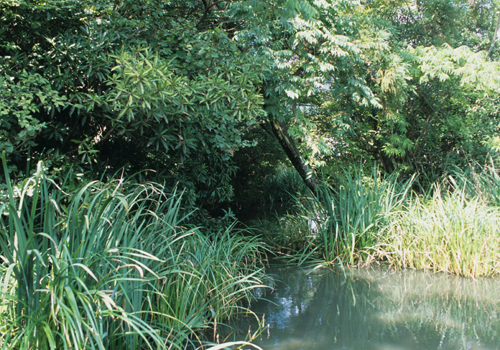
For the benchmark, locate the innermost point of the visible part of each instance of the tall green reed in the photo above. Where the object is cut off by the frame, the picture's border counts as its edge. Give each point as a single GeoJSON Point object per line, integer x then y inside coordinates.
{"type": "Point", "coordinates": [476, 181]}
{"type": "Point", "coordinates": [448, 232]}
{"type": "Point", "coordinates": [360, 217]}
{"type": "Point", "coordinates": [452, 227]}
{"type": "Point", "coordinates": [345, 218]}
{"type": "Point", "coordinates": [105, 267]}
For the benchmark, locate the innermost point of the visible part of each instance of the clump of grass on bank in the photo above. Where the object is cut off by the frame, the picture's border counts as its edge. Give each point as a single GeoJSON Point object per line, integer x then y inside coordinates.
{"type": "Point", "coordinates": [448, 233]}
{"type": "Point", "coordinates": [112, 266]}
{"type": "Point", "coordinates": [361, 218]}
{"type": "Point", "coordinates": [342, 222]}
{"type": "Point", "coordinates": [476, 182]}
{"type": "Point", "coordinates": [452, 228]}
{"type": "Point", "coordinates": [355, 210]}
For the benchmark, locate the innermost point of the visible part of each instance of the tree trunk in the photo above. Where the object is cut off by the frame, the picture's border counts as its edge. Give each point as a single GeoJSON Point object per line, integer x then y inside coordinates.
{"type": "Point", "coordinates": [288, 144]}
{"type": "Point", "coordinates": [494, 37]}
{"type": "Point", "coordinates": [386, 160]}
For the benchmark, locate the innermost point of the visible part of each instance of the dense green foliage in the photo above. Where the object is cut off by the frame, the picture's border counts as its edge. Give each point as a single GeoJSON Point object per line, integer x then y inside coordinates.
{"type": "Point", "coordinates": [365, 217]}
{"type": "Point", "coordinates": [179, 87]}
{"type": "Point", "coordinates": [112, 266]}
{"type": "Point", "coordinates": [232, 103]}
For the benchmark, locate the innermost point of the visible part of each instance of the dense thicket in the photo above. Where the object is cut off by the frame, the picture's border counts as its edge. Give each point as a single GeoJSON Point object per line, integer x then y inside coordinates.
{"type": "Point", "coordinates": [180, 87]}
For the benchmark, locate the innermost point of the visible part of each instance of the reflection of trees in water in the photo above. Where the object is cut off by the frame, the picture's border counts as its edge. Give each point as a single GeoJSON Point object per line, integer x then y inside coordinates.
{"type": "Point", "coordinates": [341, 311]}
{"type": "Point", "coordinates": [377, 309]}
{"type": "Point", "coordinates": [462, 313]}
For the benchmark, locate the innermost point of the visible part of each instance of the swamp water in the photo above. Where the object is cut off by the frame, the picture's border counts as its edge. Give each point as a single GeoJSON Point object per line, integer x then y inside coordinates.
{"type": "Point", "coordinates": [376, 309]}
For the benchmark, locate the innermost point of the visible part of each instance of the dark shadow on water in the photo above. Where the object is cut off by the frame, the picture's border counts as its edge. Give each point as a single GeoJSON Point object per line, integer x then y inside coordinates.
{"type": "Point", "coordinates": [264, 212]}
{"type": "Point", "coordinates": [377, 309]}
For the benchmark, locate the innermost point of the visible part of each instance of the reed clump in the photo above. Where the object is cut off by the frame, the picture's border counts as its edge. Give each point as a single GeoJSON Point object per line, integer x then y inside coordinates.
{"type": "Point", "coordinates": [365, 217]}
{"type": "Point", "coordinates": [343, 220]}
{"type": "Point", "coordinates": [114, 266]}
{"type": "Point", "coordinates": [449, 232]}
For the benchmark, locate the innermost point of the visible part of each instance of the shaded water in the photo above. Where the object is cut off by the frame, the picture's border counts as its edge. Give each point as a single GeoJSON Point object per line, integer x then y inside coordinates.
{"type": "Point", "coordinates": [377, 309]}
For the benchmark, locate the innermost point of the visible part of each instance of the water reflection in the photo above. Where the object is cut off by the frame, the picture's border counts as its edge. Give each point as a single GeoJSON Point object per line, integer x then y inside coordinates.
{"type": "Point", "coordinates": [379, 309]}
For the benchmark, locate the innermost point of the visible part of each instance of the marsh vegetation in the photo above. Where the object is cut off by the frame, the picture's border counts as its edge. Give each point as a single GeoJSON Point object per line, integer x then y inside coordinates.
{"type": "Point", "coordinates": [115, 265]}
{"type": "Point", "coordinates": [361, 217]}
{"type": "Point", "coordinates": [134, 134]}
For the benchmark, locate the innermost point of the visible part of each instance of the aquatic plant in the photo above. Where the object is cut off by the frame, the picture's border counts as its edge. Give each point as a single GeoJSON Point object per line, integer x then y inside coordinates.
{"type": "Point", "coordinates": [112, 265]}
{"type": "Point", "coordinates": [358, 218]}
{"type": "Point", "coordinates": [448, 232]}
{"type": "Point", "coordinates": [344, 219]}
{"type": "Point", "coordinates": [476, 181]}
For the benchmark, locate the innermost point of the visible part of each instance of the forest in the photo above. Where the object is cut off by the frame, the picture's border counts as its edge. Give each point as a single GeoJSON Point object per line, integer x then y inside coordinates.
{"type": "Point", "coordinates": [137, 135]}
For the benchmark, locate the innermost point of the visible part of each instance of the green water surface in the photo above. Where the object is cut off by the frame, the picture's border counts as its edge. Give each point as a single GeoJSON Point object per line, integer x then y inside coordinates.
{"type": "Point", "coordinates": [365, 309]}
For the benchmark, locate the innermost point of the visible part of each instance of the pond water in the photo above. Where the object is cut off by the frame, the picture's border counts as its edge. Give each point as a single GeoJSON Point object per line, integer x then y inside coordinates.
{"type": "Point", "coordinates": [376, 309]}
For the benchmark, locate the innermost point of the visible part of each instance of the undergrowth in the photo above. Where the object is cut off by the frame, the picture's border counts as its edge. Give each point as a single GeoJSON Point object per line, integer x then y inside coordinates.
{"type": "Point", "coordinates": [114, 265]}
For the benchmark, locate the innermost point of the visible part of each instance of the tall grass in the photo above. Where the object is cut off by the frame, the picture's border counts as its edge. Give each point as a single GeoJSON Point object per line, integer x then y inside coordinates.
{"type": "Point", "coordinates": [478, 181]}
{"type": "Point", "coordinates": [450, 232]}
{"type": "Point", "coordinates": [451, 227]}
{"type": "Point", "coordinates": [111, 266]}
{"type": "Point", "coordinates": [344, 220]}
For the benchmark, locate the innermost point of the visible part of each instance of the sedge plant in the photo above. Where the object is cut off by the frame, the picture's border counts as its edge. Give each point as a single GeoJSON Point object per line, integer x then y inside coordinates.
{"type": "Point", "coordinates": [448, 232]}
{"type": "Point", "coordinates": [106, 267]}
{"type": "Point", "coordinates": [344, 218]}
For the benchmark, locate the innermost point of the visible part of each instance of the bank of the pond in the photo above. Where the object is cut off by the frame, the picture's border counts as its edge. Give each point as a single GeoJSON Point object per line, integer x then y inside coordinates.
{"type": "Point", "coordinates": [358, 219]}
{"type": "Point", "coordinates": [375, 309]}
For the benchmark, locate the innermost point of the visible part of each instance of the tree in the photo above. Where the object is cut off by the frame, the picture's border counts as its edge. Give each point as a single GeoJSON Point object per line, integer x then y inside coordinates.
{"type": "Point", "coordinates": [175, 86]}
{"type": "Point", "coordinates": [429, 96]}
{"type": "Point", "coordinates": [168, 84]}
{"type": "Point", "coordinates": [130, 83]}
